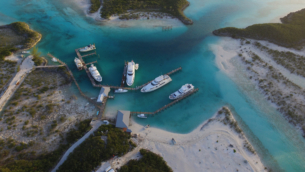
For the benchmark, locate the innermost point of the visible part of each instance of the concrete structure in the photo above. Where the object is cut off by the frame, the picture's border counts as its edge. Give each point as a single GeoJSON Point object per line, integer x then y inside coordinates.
{"type": "Point", "coordinates": [122, 120]}
{"type": "Point", "coordinates": [103, 93]}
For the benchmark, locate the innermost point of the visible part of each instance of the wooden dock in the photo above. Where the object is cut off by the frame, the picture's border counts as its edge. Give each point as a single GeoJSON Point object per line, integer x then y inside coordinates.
{"type": "Point", "coordinates": [101, 108]}
{"type": "Point", "coordinates": [90, 63]}
{"type": "Point", "coordinates": [123, 77]}
{"type": "Point", "coordinates": [49, 66]}
{"type": "Point", "coordinates": [166, 106]}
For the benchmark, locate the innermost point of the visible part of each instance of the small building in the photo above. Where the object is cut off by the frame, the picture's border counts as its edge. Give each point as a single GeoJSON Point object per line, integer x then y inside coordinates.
{"type": "Point", "coordinates": [103, 93]}
{"type": "Point", "coordinates": [122, 120]}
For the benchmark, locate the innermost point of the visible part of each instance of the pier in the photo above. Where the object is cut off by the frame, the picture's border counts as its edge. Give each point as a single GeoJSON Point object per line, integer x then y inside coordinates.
{"type": "Point", "coordinates": [101, 108]}
{"type": "Point", "coordinates": [123, 77]}
{"type": "Point", "coordinates": [166, 106]}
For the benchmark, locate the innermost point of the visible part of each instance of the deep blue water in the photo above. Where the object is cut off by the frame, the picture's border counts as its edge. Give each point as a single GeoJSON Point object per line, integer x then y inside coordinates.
{"type": "Point", "coordinates": [65, 27]}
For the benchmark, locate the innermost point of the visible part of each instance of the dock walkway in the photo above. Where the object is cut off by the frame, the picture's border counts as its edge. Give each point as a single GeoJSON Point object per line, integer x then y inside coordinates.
{"type": "Point", "coordinates": [101, 108]}
{"type": "Point", "coordinates": [123, 77]}
{"type": "Point", "coordinates": [166, 106]}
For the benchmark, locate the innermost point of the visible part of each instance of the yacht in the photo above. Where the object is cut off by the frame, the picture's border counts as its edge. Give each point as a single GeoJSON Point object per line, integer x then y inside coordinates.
{"type": "Point", "coordinates": [78, 63]}
{"type": "Point", "coordinates": [156, 83]}
{"type": "Point", "coordinates": [142, 116]}
{"type": "Point", "coordinates": [182, 91]}
{"type": "Point", "coordinates": [94, 72]}
{"type": "Point", "coordinates": [120, 90]}
{"type": "Point", "coordinates": [87, 48]}
{"type": "Point", "coordinates": [130, 73]}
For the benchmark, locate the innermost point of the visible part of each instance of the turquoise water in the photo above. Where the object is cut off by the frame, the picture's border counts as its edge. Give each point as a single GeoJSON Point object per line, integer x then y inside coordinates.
{"type": "Point", "coordinates": [64, 28]}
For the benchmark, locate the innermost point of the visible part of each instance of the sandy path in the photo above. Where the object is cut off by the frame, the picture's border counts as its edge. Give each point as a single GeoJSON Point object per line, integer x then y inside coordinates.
{"type": "Point", "coordinates": [25, 68]}
{"type": "Point", "coordinates": [76, 144]}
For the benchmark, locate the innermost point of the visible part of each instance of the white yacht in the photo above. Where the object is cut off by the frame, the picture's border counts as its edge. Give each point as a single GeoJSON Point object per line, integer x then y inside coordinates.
{"type": "Point", "coordinates": [156, 83]}
{"type": "Point", "coordinates": [142, 116]}
{"type": "Point", "coordinates": [130, 73]}
{"type": "Point", "coordinates": [94, 72]}
{"type": "Point", "coordinates": [182, 91]}
{"type": "Point", "coordinates": [120, 90]}
{"type": "Point", "coordinates": [78, 63]}
{"type": "Point", "coordinates": [87, 48]}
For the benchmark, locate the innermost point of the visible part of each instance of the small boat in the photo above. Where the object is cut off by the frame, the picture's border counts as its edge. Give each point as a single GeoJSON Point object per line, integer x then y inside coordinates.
{"type": "Point", "coordinates": [142, 116]}
{"type": "Point", "coordinates": [173, 141]}
{"type": "Point", "coordinates": [78, 63]}
{"type": "Point", "coordinates": [54, 59]}
{"type": "Point", "coordinates": [156, 83]}
{"type": "Point", "coordinates": [95, 73]}
{"type": "Point", "coordinates": [87, 48]}
{"type": "Point", "coordinates": [120, 90]}
{"type": "Point", "coordinates": [26, 52]}
{"type": "Point", "coordinates": [182, 91]}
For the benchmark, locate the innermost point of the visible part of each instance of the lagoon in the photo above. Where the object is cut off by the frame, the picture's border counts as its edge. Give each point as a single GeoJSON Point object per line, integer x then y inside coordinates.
{"type": "Point", "coordinates": [65, 28]}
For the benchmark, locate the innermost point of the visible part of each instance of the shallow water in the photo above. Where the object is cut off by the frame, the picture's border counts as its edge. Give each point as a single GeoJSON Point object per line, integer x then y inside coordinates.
{"type": "Point", "coordinates": [65, 27]}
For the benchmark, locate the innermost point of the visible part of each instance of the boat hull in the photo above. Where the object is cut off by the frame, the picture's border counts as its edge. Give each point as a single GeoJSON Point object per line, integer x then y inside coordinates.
{"type": "Point", "coordinates": [181, 95]}
{"type": "Point", "coordinates": [143, 90]}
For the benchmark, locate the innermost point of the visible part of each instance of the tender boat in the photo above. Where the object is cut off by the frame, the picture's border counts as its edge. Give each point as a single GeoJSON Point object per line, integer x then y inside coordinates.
{"type": "Point", "coordinates": [182, 91]}
{"type": "Point", "coordinates": [120, 90]}
{"type": "Point", "coordinates": [142, 116]}
{"type": "Point", "coordinates": [54, 59]}
{"type": "Point", "coordinates": [26, 52]}
{"type": "Point", "coordinates": [94, 72]}
{"type": "Point", "coordinates": [156, 83]}
{"type": "Point", "coordinates": [87, 48]}
{"type": "Point", "coordinates": [78, 63]}
{"type": "Point", "coordinates": [130, 73]}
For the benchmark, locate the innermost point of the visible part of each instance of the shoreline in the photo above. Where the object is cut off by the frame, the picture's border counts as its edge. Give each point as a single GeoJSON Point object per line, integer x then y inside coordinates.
{"type": "Point", "coordinates": [214, 145]}
{"type": "Point", "coordinates": [114, 19]}
{"type": "Point", "coordinates": [276, 85]}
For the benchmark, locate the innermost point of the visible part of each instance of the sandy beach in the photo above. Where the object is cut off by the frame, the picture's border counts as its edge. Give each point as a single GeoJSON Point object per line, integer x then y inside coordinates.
{"type": "Point", "coordinates": [212, 146]}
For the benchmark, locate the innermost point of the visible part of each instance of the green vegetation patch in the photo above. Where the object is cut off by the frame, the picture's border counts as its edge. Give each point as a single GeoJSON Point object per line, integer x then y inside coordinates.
{"type": "Point", "coordinates": [7, 70]}
{"type": "Point", "coordinates": [174, 7]}
{"type": "Point", "coordinates": [28, 162]}
{"type": "Point", "coordinates": [94, 150]}
{"type": "Point", "coordinates": [289, 34]}
{"type": "Point", "coordinates": [95, 5]}
{"type": "Point", "coordinates": [149, 162]}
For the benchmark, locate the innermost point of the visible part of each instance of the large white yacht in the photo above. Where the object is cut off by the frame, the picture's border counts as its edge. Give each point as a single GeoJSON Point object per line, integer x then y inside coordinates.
{"type": "Point", "coordinates": [94, 72]}
{"type": "Point", "coordinates": [78, 63]}
{"type": "Point", "coordinates": [156, 83]}
{"type": "Point", "coordinates": [182, 91]}
{"type": "Point", "coordinates": [87, 48]}
{"type": "Point", "coordinates": [131, 66]}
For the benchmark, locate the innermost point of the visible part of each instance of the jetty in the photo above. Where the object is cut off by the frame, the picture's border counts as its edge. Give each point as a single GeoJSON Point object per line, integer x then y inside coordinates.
{"type": "Point", "coordinates": [166, 106]}
{"type": "Point", "coordinates": [101, 108]}
{"type": "Point", "coordinates": [122, 86]}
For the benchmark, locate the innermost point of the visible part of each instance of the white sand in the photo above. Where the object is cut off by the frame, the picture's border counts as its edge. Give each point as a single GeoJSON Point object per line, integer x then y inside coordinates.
{"type": "Point", "coordinates": [204, 149]}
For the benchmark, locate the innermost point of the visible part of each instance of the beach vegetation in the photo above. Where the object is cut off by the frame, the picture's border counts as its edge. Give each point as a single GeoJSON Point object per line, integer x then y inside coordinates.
{"type": "Point", "coordinates": [28, 161]}
{"type": "Point", "coordinates": [290, 33]}
{"type": "Point", "coordinates": [36, 56]}
{"type": "Point", "coordinates": [149, 162]}
{"type": "Point", "coordinates": [118, 7]}
{"type": "Point", "coordinates": [94, 150]}
{"type": "Point", "coordinates": [95, 5]}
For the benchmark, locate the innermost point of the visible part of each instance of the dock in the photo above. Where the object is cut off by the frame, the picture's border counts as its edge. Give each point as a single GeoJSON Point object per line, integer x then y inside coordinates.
{"type": "Point", "coordinates": [122, 86]}
{"type": "Point", "coordinates": [101, 108]}
{"type": "Point", "coordinates": [166, 106]}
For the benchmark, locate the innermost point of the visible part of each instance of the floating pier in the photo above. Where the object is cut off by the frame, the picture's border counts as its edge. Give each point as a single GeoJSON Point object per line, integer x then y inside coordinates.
{"type": "Point", "coordinates": [168, 105]}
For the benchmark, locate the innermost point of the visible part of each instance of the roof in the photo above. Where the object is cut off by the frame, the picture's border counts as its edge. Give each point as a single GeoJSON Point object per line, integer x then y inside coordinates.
{"type": "Point", "coordinates": [122, 119]}
{"type": "Point", "coordinates": [103, 93]}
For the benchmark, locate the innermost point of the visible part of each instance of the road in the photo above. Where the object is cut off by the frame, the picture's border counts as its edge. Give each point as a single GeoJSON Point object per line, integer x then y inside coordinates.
{"type": "Point", "coordinates": [71, 149]}
{"type": "Point", "coordinates": [25, 68]}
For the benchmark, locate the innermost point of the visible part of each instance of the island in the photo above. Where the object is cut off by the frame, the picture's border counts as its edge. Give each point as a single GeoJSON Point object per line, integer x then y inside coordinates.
{"type": "Point", "coordinates": [290, 33]}
{"type": "Point", "coordinates": [130, 9]}
{"type": "Point", "coordinates": [270, 56]}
